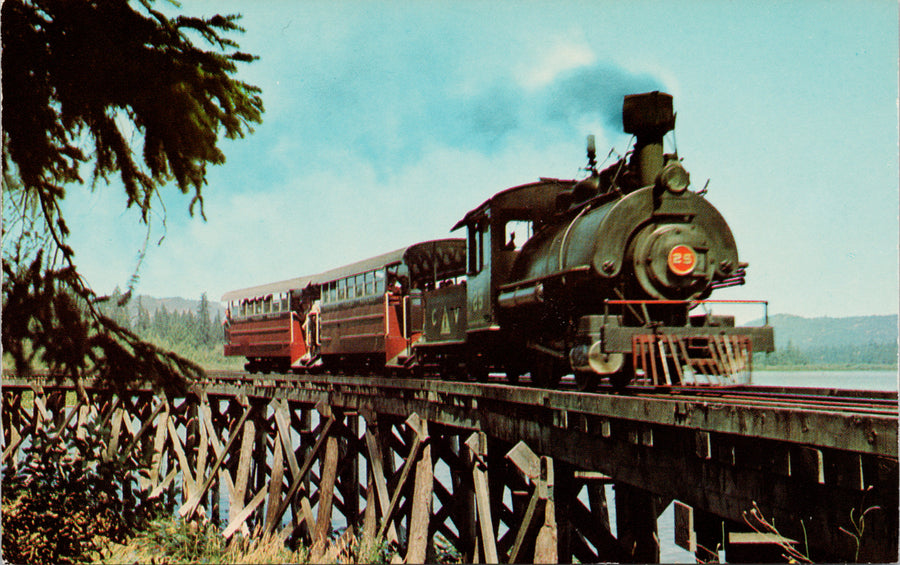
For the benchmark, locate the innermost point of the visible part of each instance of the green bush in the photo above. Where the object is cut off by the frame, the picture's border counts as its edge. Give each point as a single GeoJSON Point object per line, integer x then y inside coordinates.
{"type": "Point", "coordinates": [63, 505]}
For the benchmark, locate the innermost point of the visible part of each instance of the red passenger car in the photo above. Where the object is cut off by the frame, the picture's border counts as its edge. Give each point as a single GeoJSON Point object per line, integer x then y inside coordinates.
{"type": "Point", "coordinates": [365, 316]}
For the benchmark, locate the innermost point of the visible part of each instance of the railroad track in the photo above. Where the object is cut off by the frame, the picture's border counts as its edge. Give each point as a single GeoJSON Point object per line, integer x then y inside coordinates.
{"type": "Point", "coordinates": [844, 401]}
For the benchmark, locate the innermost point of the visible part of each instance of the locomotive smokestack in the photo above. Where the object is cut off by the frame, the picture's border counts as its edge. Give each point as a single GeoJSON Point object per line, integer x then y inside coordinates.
{"type": "Point", "coordinates": [649, 117]}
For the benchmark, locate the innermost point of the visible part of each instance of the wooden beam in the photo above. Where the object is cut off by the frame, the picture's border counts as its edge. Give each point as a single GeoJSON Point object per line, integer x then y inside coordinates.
{"type": "Point", "coordinates": [276, 482]}
{"type": "Point", "coordinates": [187, 475]}
{"type": "Point", "coordinates": [241, 517]}
{"type": "Point", "coordinates": [203, 447]}
{"type": "Point", "coordinates": [146, 425]}
{"type": "Point", "coordinates": [477, 442]}
{"type": "Point", "coordinates": [15, 441]}
{"type": "Point", "coordinates": [158, 444]}
{"type": "Point", "coordinates": [349, 485]}
{"type": "Point", "coordinates": [398, 490]}
{"type": "Point", "coordinates": [39, 405]}
{"type": "Point", "coordinates": [420, 516]}
{"type": "Point", "coordinates": [524, 526]}
{"type": "Point", "coordinates": [376, 464]}
{"type": "Point", "coordinates": [115, 431]}
{"type": "Point", "coordinates": [307, 464]}
{"type": "Point", "coordinates": [370, 517]}
{"type": "Point", "coordinates": [158, 489]}
{"type": "Point", "coordinates": [190, 506]}
{"type": "Point", "coordinates": [546, 547]}
{"type": "Point", "coordinates": [636, 515]}
{"type": "Point", "coordinates": [218, 451]}
{"type": "Point", "coordinates": [326, 489]}
{"type": "Point", "coordinates": [242, 478]}
{"type": "Point", "coordinates": [525, 460]}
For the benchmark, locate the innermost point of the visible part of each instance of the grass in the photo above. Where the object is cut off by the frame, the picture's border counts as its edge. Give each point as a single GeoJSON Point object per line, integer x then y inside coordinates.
{"type": "Point", "coordinates": [210, 357]}
{"type": "Point", "coordinates": [172, 540]}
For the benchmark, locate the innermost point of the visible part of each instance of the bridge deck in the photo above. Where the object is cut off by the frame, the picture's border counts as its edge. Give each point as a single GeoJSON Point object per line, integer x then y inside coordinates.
{"type": "Point", "coordinates": [855, 421]}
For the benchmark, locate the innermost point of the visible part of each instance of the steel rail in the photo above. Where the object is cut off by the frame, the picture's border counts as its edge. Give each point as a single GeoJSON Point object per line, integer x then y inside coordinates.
{"type": "Point", "coordinates": [810, 399]}
{"type": "Point", "coordinates": [830, 399]}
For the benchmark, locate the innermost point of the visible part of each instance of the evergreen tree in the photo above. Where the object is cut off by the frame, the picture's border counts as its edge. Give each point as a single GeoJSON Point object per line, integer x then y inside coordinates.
{"type": "Point", "coordinates": [143, 322]}
{"type": "Point", "coordinates": [115, 309]}
{"type": "Point", "coordinates": [218, 335]}
{"type": "Point", "coordinates": [161, 322]}
{"type": "Point", "coordinates": [99, 83]}
{"type": "Point", "coordinates": [204, 330]}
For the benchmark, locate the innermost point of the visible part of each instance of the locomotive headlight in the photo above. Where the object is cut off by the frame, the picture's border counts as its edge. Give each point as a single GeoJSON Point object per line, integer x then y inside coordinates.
{"type": "Point", "coordinates": [673, 178]}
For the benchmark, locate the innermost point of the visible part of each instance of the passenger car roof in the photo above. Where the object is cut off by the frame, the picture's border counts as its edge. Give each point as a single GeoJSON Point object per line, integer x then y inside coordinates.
{"type": "Point", "coordinates": [444, 258]}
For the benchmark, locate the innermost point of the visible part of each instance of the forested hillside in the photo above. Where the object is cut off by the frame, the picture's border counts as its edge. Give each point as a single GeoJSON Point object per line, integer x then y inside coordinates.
{"type": "Point", "coordinates": [857, 341]}
{"type": "Point", "coordinates": [190, 328]}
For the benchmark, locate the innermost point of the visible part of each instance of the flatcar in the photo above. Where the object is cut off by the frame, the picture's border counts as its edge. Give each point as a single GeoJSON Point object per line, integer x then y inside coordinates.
{"type": "Point", "coordinates": [602, 286]}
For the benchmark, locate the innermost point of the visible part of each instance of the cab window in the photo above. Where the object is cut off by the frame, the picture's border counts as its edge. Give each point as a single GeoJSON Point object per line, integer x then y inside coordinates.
{"type": "Point", "coordinates": [476, 249]}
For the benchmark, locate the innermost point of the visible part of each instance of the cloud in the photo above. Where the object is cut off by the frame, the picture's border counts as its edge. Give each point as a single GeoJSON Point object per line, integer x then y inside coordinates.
{"type": "Point", "coordinates": [388, 123]}
{"type": "Point", "coordinates": [570, 53]}
{"type": "Point", "coordinates": [595, 91]}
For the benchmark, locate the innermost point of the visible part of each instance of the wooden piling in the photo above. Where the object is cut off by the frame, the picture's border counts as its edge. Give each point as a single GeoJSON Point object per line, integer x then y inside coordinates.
{"type": "Point", "coordinates": [420, 517]}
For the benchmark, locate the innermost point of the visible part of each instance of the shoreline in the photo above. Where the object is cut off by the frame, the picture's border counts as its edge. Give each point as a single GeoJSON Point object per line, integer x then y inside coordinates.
{"type": "Point", "coordinates": [826, 367]}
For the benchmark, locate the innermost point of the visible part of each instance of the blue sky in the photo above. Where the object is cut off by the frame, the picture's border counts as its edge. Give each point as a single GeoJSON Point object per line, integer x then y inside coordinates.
{"type": "Point", "coordinates": [387, 121]}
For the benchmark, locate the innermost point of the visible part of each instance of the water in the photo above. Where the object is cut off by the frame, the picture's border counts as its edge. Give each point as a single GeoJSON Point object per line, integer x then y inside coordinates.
{"type": "Point", "coordinates": [859, 380]}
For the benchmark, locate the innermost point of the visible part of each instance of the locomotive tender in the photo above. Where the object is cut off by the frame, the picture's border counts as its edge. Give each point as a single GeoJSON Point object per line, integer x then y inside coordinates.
{"type": "Point", "coordinates": [602, 286]}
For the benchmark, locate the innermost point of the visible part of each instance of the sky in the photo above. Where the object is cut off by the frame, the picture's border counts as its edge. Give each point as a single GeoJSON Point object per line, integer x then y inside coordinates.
{"type": "Point", "coordinates": [386, 122]}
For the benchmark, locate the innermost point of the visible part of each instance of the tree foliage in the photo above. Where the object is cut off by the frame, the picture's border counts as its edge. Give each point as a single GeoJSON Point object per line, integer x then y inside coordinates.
{"type": "Point", "coordinates": [125, 91]}
{"type": "Point", "coordinates": [73, 70]}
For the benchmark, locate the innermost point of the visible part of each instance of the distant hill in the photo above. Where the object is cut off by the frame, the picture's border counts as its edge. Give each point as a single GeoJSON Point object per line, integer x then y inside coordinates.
{"type": "Point", "coordinates": [850, 343]}
{"type": "Point", "coordinates": [813, 333]}
{"type": "Point", "coordinates": [174, 304]}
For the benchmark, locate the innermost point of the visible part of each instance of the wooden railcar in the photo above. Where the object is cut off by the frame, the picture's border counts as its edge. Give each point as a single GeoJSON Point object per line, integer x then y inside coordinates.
{"type": "Point", "coordinates": [364, 316]}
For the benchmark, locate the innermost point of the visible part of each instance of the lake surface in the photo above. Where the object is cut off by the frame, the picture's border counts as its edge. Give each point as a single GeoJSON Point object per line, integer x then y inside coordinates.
{"type": "Point", "coordinates": [857, 380]}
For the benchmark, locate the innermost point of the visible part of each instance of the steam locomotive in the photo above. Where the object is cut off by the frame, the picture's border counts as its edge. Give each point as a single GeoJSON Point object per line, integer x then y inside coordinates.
{"type": "Point", "coordinates": [602, 287]}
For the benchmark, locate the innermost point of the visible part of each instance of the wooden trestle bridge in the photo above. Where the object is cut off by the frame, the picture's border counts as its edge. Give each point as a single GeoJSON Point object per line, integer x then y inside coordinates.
{"type": "Point", "coordinates": [501, 473]}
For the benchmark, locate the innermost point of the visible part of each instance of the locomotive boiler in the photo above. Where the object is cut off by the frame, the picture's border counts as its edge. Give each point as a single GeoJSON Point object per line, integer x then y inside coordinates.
{"type": "Point", "coordinates": [601, 284]}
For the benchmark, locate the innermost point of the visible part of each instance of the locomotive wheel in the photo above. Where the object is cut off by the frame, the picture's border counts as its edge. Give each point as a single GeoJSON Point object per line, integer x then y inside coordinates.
{"type": "Point", "coordinates": [515, 368]}
{"type": "Point", "coordinates": [476, 370]}
{"type": "Point", "coordinates": [621, 378]}
{"type": "Point", "coordinates": [546, 371]}
{"type": "Point", "coordinates": [452, 371]}
{"type": "Point", "coordinates": [586, 381]}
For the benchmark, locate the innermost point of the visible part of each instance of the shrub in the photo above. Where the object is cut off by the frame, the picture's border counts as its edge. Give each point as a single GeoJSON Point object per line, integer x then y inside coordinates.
{"type": "Point", "coordinates": [63, 504]}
